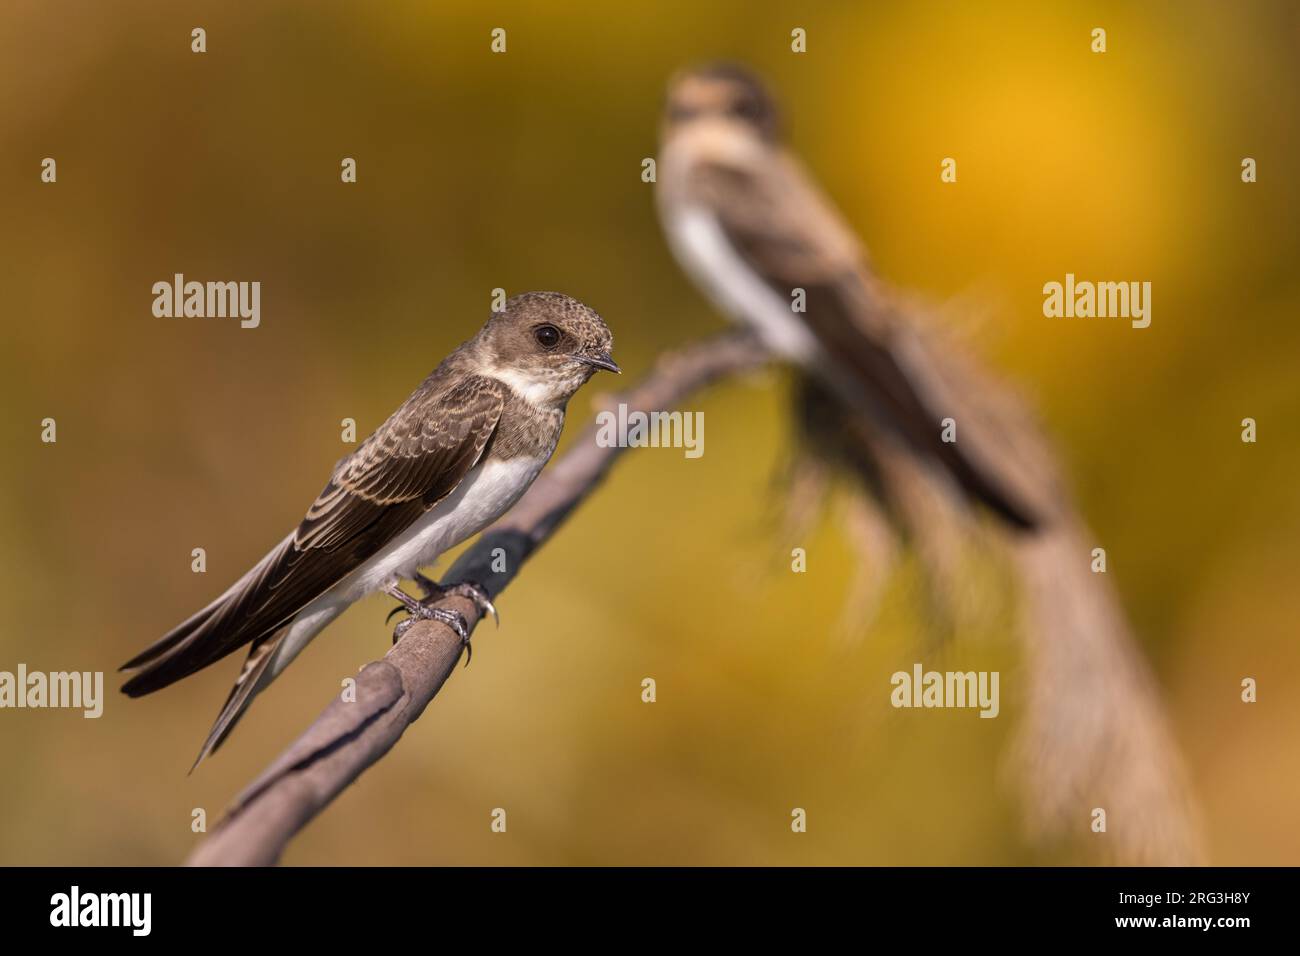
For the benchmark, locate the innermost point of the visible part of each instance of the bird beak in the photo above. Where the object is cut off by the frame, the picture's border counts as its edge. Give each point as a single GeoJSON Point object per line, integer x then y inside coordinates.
{"type": "Point", "coordinates": [600, 360]}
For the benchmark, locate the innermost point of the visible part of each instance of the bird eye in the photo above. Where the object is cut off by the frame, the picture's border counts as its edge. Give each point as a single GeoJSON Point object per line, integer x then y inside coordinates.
{"type": "Point", "coordinates": [548, 336]}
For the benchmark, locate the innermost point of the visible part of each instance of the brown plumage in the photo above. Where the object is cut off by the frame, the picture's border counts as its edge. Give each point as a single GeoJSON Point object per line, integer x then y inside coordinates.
{"type": "Point", "coordinates": [496, 402]}
{"type": "Point", "coordinates": [408, 465]}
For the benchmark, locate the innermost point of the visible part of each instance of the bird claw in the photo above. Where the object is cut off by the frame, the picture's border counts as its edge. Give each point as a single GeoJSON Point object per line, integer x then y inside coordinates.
{"type": "Point", "coordinates": [466, 589]}
{"type": "Point", "coordinates": [424, 611]}
{"type": "Point", "coordinates": [452, 619]}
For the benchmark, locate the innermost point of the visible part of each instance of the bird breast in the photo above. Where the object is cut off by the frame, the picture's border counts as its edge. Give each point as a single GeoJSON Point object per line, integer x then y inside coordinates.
{"type": "Point", "coordinates": [708, 256]}
{"type": "Point", "coordinates": [487, 491]}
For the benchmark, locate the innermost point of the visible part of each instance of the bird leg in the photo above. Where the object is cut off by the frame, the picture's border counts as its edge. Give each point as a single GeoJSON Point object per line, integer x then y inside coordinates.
{"type": "Point", "coordinates": [466, 589]}
{"type": "Point", "coordinates": [424, 611]}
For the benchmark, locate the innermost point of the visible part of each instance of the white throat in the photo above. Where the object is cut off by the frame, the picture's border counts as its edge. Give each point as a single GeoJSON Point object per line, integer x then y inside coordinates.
{"type": "Point", "coordinates": [550, 392]}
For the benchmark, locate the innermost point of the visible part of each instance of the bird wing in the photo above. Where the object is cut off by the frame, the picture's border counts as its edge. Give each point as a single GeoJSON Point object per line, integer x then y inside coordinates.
{"type": "Point", "coordinates": [791, 236]}
{"type": "Point", "coordinates": [416, 458]}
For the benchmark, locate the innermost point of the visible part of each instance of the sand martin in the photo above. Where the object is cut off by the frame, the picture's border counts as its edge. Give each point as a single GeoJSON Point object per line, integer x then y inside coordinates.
{"type": "Point", "coordinates": [876, 381]}
{"type": "Point", "coordinates": [750, 227]}
{"type": "Point", "coordinates": [454, 457]}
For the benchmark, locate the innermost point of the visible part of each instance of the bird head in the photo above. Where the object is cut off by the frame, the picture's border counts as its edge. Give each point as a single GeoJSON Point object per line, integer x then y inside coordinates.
{"type": "Point", "coordinates": [720, 92]}
{"type": "Point", "coordinates": [545, 345]}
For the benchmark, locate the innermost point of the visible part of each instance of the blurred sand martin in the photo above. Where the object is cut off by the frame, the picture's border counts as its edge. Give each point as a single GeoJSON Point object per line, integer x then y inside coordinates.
{"type": "Point", "coordinates": [749, 226]}
{"type": "Point", "coordinates": [454, 457]}
{"type": "Point", "coordinates": [875, 381]}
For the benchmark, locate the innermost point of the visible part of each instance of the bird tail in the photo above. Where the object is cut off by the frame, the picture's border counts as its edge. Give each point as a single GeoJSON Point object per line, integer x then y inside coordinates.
{"type": "Point", "coordinates": [267, 659]}
{"type": "Point", "coordinates": [231, 621]}
{"type": "Point", "coordinates": [255, 674]}
{"type": "Point", "coordinates": [166, 644]}
{"type": "Point", "coordinates": [182, 651]}
{"type": "Point", "coordinates": [160, 659]}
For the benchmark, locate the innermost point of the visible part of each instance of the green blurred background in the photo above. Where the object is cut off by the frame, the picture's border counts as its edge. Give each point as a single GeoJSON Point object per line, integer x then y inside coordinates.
{"type": "Point", "coordinates": [523, 171]}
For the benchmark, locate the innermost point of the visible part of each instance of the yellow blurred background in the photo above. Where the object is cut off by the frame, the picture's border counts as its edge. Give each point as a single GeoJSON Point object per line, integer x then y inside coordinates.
{"type": "Point", "coordinates": [522, 171]}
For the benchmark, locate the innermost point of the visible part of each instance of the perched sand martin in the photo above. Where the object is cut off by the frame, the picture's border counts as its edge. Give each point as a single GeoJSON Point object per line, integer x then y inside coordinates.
{"type": "Point", "coordinates": [454, 457]}
{"type": "Point", "coordinates": [876, 379]}
{"type": "Point", "coordinates": [748, 225]}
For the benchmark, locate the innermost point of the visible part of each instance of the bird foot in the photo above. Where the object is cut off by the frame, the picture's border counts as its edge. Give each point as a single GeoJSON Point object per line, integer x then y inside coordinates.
{"type": "Point", "coordinates": [424, 611]}
{"type": "Point", "coordinates": [466, 589]}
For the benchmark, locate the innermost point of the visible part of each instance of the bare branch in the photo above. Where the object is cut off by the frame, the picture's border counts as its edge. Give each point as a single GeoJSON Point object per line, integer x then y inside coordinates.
{"type": "Point", "coordinates": [392, 693]}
